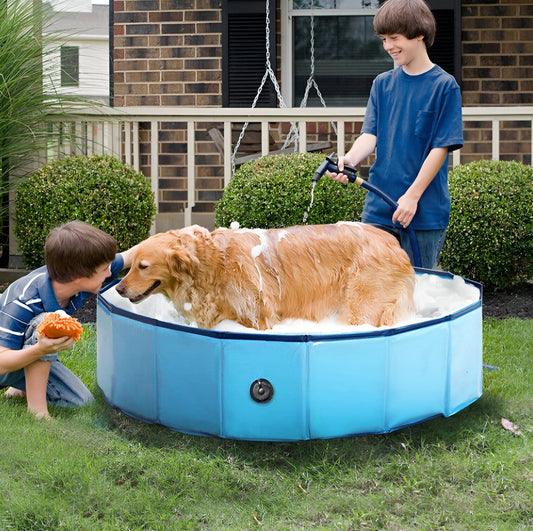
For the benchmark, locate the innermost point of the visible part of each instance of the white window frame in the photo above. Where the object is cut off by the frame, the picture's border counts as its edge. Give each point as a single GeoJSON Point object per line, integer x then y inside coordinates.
{"type": "Point", "coordinates": [286, 14]}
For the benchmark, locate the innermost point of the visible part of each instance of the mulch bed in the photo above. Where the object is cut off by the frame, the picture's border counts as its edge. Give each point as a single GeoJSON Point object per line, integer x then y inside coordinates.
{"type": "Point", "coordinates": [515, 302]}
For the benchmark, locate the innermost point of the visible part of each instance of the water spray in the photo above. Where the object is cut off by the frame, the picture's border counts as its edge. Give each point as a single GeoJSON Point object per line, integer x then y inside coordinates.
{"type": "Point", "coordinates": [330, 164]}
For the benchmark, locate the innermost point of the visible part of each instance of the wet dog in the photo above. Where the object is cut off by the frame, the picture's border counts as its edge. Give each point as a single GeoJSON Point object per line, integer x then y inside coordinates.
{"type": "Point", "coordinates": [354, 273]}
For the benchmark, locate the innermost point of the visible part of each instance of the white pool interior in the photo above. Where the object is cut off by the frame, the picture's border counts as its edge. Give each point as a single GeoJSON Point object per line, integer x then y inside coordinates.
{"type": "Point", "coordinates": [435, 297]}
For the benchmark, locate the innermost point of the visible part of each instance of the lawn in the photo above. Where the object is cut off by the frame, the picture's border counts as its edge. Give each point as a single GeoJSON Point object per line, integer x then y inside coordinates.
{"type": "Point", "coordinates": [94, 468]}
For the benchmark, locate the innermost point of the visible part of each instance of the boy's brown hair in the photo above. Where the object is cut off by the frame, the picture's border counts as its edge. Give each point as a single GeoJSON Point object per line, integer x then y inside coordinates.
{"type": "Point", "coordinates": [77, 249]}
{"type": "Point", "coordinates": [410, 18]}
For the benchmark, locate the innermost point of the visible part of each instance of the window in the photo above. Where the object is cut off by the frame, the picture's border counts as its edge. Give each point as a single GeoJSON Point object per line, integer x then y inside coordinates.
{"type": "Point", "coordinates": [347, 54]}
{"type": "Point", "coordinates": [244, 52]}
{"type": "Point", "coordinates": [446, 51]}
{"type": "Point", "coordinates": [70, 68]}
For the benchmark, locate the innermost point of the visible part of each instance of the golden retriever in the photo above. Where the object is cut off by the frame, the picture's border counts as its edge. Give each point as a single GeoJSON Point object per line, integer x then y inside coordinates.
{"type": "Point", "coordinates": [351, 272]}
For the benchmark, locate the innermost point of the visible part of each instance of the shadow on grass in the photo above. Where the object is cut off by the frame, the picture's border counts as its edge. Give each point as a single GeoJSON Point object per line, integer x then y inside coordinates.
{"type": "Point", "coordinates": [438, 432]}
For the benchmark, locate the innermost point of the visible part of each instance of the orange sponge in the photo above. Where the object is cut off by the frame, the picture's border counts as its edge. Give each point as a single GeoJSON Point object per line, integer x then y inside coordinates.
{"type": "Point", "coordinates": [55, 325]}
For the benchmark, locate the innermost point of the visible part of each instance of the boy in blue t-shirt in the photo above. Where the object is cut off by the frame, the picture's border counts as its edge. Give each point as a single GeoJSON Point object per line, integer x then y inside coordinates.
{"type": "Point", "coordinates": [79, 259]}
{"type": "Point", "coordinates": [413, 120]}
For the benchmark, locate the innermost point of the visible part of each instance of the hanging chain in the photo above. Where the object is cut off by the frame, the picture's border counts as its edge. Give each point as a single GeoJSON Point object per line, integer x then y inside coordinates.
{"type": "Point", "coordinates": [293, 136]}
{"type": "Point", "coordinates": [269, 73]}
{"type": "Point", "coordinates": [311, 81]}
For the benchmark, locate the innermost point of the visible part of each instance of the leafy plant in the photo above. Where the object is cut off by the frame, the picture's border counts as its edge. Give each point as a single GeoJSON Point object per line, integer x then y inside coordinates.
{"type": "Point", "coordinates": [490, 235]}
{"type": "Point", "coordinates": [100, 190]}
{"type": "Point", "coordinates": [275, 191]}
{"type": "Point", "coordinates": [28, 97]}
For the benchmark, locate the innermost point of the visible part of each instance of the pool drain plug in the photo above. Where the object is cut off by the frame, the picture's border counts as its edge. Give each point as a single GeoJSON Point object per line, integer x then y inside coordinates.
{"type": "Point", "coordinates": [261, 390]}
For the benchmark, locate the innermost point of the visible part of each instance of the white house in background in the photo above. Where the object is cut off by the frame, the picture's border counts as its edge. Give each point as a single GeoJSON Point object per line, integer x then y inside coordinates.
{"type": "Point", "coordinates": [81, 66]}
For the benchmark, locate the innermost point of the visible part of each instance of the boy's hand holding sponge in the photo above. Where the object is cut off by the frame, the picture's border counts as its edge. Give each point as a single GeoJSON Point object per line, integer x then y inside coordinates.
{"type": "Point", "coordinates": [60, 324]}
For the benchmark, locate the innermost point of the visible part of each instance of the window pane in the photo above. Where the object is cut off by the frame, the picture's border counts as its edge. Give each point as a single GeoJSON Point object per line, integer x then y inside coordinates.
{"type": "Point", "coordinates": [348, 56]}
{"type": "Point", "coordinates": [336, 4]}
{"type": "Point", "coordinates": [70, 66]}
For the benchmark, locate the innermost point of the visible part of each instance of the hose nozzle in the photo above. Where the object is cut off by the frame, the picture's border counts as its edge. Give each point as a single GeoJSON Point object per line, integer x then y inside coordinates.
{"type": "Point", "coordinates": [323, 168]}
{"type": "Point", "coordinates": [330, 164]}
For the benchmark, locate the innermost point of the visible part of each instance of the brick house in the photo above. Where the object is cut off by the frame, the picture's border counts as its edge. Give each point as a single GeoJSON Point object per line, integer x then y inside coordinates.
{"type": "Point", "coordinates": [212, 53]}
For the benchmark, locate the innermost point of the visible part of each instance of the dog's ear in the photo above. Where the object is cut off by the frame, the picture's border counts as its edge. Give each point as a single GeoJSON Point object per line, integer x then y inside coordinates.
{"type": "Point", "coordinates": [181, 260]}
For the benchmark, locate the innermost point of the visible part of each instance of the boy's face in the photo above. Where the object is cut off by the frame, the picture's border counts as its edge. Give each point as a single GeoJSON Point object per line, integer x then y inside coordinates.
{"type": "Point", "coordinates": [94, 282]}
{"type": "Point", "coordinates": [403, 50]}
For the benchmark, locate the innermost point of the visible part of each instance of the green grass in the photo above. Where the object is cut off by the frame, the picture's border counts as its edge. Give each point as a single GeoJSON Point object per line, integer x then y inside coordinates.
{"type": "Point", "coordinates": [94, 468]}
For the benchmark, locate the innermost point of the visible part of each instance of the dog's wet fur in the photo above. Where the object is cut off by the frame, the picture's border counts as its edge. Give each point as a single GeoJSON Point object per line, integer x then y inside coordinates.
{"type": "Point", "coordinates": [352, 272]}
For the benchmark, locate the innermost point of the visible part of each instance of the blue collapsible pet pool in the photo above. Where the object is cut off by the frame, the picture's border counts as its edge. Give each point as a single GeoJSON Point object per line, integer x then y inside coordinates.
{"type": "Point", "coordinates": [268, 387]}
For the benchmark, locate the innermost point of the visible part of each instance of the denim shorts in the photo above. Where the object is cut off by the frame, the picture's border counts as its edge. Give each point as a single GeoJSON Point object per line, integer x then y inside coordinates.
{"type": "Point", "coordinates": [64, 388]}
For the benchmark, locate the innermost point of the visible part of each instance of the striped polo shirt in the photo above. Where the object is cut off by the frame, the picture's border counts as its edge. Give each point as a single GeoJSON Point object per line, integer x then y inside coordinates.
{"type": "Point", "coordinates": [31, 295]}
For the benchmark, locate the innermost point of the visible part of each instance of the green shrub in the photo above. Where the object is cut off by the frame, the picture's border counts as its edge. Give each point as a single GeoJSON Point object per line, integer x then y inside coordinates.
{"type": "Point", "coordinates": [490, 235]}
{"type": "Point", "coordinates": [275, 191]}
{"type": "Point", "coordinates": [99, 190]}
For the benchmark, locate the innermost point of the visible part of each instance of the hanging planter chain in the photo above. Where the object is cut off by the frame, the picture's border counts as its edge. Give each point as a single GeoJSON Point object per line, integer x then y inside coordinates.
{"type": "Point", "coordinates": [293, 135]}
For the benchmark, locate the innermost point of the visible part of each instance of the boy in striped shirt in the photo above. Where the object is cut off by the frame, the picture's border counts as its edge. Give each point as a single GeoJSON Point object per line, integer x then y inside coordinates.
{"type": "Point", "coordinates": [79, 259]}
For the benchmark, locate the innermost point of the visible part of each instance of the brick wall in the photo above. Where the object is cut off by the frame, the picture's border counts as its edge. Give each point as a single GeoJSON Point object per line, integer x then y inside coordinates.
{"type": "Point", "coordinates": [167, 52]}
{"type": "Point", "coordinates": [497, 52]}
{"type": "Point", "coordinates": [497, 58]}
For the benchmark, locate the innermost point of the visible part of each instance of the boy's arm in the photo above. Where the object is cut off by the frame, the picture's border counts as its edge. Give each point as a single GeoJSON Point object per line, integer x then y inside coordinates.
{"type": "Point", "coordinates": [127, 256]}
{"type": "Point", "coordinates": [12, 360]}
{"type": "Point", "coordinates": [36, 375]}
{"type": "Point", "coordinates": [408, 202]}
{"type": "Point", "coordinates": [363, 146]}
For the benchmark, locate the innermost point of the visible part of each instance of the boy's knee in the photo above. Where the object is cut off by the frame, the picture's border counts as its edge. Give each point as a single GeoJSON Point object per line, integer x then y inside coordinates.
{"type": "Point", "coordinates": [50, 357]}
{"type": "Point", "coordinates": [31, 337]}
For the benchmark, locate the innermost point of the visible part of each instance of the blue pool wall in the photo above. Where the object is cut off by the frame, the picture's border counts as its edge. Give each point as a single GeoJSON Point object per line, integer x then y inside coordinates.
{"type": "Point", "coordinates": [324, 386]}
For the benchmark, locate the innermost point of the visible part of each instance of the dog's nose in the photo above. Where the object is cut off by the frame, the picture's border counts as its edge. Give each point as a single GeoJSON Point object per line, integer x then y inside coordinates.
{"type": "Point", "coordinates": [120, 289]}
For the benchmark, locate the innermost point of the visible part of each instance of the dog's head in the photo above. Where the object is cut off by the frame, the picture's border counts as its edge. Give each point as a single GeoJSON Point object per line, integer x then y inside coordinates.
{"type": "Point", "coordinates": [162, 263]}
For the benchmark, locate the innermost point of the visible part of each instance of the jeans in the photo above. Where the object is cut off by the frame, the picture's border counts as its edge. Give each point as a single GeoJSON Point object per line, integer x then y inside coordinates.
{"type": "Point", "coordinates": [430, 243]}
{"type": "Point", "coordinates": [64, 388]}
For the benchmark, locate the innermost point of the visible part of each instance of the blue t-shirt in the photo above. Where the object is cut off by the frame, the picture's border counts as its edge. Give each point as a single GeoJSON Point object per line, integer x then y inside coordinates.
{"type": "Point", "coordinates": [411, 115]}
{"type": "Point", "coordinates": [31, 295]}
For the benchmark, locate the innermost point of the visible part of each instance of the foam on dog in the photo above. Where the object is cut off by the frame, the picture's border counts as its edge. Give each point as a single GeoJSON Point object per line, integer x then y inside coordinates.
{"type": "Point", "coordinates": [351, 272]}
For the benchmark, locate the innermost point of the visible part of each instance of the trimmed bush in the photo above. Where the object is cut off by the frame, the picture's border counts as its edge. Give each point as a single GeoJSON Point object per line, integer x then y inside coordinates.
{"type": "Point", "coordinates": [490, 235]}
{"type": "Point", "coordinates": [100, 190]}
{"type": "Point", "coordinates": [275, 191]}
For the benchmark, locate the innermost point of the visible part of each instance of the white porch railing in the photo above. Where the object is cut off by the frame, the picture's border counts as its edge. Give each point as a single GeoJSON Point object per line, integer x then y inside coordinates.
{"type": "Point", "coordinates": [116, 131]}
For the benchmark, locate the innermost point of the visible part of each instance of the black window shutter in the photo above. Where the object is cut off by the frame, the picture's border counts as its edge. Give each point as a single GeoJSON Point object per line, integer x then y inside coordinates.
{"type": "Point", "coordinates": [244, 53]}
{"type": "Point", "coordinates": [446, 50]}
